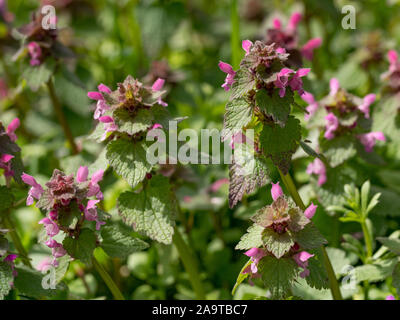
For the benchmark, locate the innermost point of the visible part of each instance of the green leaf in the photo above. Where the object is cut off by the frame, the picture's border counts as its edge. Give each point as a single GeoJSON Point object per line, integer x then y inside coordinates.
{"type": "Point", "coordinates": [280, 143]}
{"type": "Point", "coordinates": [38, 75]}
{"type": "Point", "coordinates": [275, 106]}
{"type": "Point", "coordinates": [6, 198]}
{"type": "Point", "coordinates": [241, 277]}
{"type": "Point", "coordinates": [392, 244]}
{"type": "Point", "coordinates": [278, 275]}
{"type": "Point", "coordinates": [3, 245]}
{"type": "Point", "coordinates": [251, 239]}
{"type": "Point", "coordinates": [338, 150]}
{"type": "Point", "coordinates": [82, 247]}
{"type": "Point", "coordinates": [310, 151]}
{"type": "Point", "coordinates": [396, 277]}
{"type": "Point", "coordinates": [6, 278]}
{"type": "Point", "coordinates": [118, 242]}
{"type": "Point", "coordinates": [238, 113]}
{"type": "Point", "coordinates": [133, 123]}
{"type": "Point", "coordinates": [377, 271]}
{"type": "Point", "coordinates": [388, 204]}
{"type": "Point", "coordinates": [318, 278]}
{"type": "Point", "coordinates": [152, 211]}
{"type": "Point", "coordinates": [309, 237]}
{"type": "Point", "coordinates": [128, 158]}
{"type": "Point", "coordinates": [278, 244]}
{"type": "Point", "coordinates": [244, 82]}
{"type": "Point", "coordinates": [30, 283]}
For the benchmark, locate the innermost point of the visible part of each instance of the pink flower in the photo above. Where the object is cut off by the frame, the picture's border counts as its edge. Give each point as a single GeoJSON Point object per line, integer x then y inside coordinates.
{"type": "Point", "coordinates": [310, 211]}
{"type": "Point", "coordinates": [91, 213]}
{"type": "Point", "coordinates": [393, 60]}
{"type": "Point", "coordinates": [51, 227]}
{"type": "Point", "coordinates": [246, 45]}
{"type": "Point", "coordinates": [367, 101]}
{"type": "Point", "coordinates": [35, 52]}
{"type": "Point", "coordinates": [101, 106]}
{"type": "Point", "coordinates": [94, 188]}
{"type": "Point", "coordinates": [294, 21]}
{"type": "Point", "coordinates": [82, 174]}
{"type": "Point", "coordinates": [157, 86]}
{"type": "Point", "coordinates": [308, 49]}
{"type": "Point", "coordinates": [317, 167]}
{"type": "Point", "coordinates": [14, 124]}
{"type": "Point", "coordinates": [282, 80]}
{"type": "Point", "coordinates": [277, 23]}
{"type": "Point", "coordinates": [255, 255]}
{"type": "Point", "coordinates": [281, 50]}
{"type": "Point", "coordinates": [109, 126]}
{"type": "Point", "coordinates": [239, 137]}
{"type": "Point", "coordinates": [296, 83]}
{"type": "Point", "coordinates": [369, 139]}
{"type": "Point", "coordinates": [44, 264]}
{"type": "Point", "coordinates": [390, 297]}
{"type": "Point", "coordinates": [332, 123]}
{"type": "Point", "coordinates": [36, 190]}
{"type": "Point", "coordinates": [334, 86]}
{"type": "Point", "coordinates": [301, 259]}
{"type": "Point", "coordinates": [276, 191]}
{"type": "Point", "coordinates": [5, 164]}
{"type": "Point", "coordinates": [10, 260]}
{"type": "Point", "coordinates": [227, 68]}
{"type": "Point", "coordinates": [156, 126]}
{"type": "Point", "coordinates": [218, 184]}
{"type": "Point", "coordinates": [312, 104]}
{"type": "Point", "coordinates": [57, 251]}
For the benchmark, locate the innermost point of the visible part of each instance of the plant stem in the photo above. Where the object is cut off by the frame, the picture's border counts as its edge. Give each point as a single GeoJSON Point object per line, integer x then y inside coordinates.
{"type": "Point", "coordinates": [367, 239]}
{"type": "Point", "coordinates": [235, 34]}
{"type": "Point", "coordinates": [334, 286]}
{"type": "Point", "coordinates": [16, 240]}
{"type": "Point", "coordinates": [190, 264]}
{"type": "Point", "coordinates": [108, 280]}
{"type": "Point", "coordinates": [61, 117]}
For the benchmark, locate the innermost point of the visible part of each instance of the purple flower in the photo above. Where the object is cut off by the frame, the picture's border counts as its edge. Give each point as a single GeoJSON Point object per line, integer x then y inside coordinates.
{"type": "Point", "coordinates": [317, 167]}
{"type": "Point", "coordinates": [277, 23]}
{"type": "Point", "coordinates": [227, 68]}
{"type": "Point", "coordinates": [393, 60]}
{"type": "Point", "coordinates": [334, 86]}
{"type": "Point", "coordinates": [276, 191]}
{"type": "Point", "coordinates": [294, 21]}
{"type": "Point", "coordinates": [218, 184]}
{"type": "Point", "coordinates": [5, 164]}
{"type": "Point", "coordinates": [51, 227]}
{"type": "Point", "coordinates": [35, 52]}
{"type": "Point", "coordinates": [255, 255]}
{"type": "Point", "coordinates": [157, 86]}
{"type": "Point", "coordinates": [246, 45]}
{"type": "Point", "coordinates": [310, 211]}
{"type": "Point", "coordinates": [390, 297]}
{"type": "Point", "coordinates": [44, 264]}
{"type": "Point", "coordinates": [296, 83]}
{"type": "Point", "coordinates": [57, 251]}
{"type": "Point", "coordinates": [91, 213]}
{"type": "Point", "coordinates": [94, 188]}
{"type": "Point", "coordinates": [101, 106]}
{"type": "Point", "coordinates": [282, 80]}
{"type": "Point", "coordinates": [369, 139]}
{"type": "Point", "coordinates": [308, 49]}
{"type": "Point", "coordinates": [332, 123]}
{"type": "Point", "coordinates": [36, 190]}
{"type": "Point", "coordinates": [301, 259]}
{"type": "Point", "coordinates": [367, 101]}
{"type": "Point", "coordinates": [14, 124]}
{"type": "Point", "coordinates": [109, 126]}
{"type": "Point", "coordinates": [312, 104]}
{"type": "Point", "coordinates": [10, 260]}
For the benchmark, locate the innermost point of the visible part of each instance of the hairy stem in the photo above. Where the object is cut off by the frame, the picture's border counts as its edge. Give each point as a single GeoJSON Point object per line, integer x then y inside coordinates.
{"type": "Point", "coordinates": [190, 264]}
{"type": "Point", "coordinates": [8, 223]}
{"type": "Point", "coordinates": [61, 117]}
{"type": "Point", "coordinates": [108, 280]}
{"type": "Point", "coordinates": [367, 239]}
{"type": "Point", "coordinates": [235, 36]}
{"type": "Point", "coordinates": [334, 286]}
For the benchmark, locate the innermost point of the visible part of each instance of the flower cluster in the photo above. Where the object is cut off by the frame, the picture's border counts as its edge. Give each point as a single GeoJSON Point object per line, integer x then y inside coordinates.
{"type": "Point", "coordinates": [67, 202]}
{"type": "Point", "coordinates": [346, 114]}
{"type": "Point", "coordinates": [287, 38]}
{"type": "Point", "coordinates": [8, 140]}
{"type": "Point", "coordinates": [279, 223]}
{"type": "Point", "coordinates": [132, 99]}
{"type": "Point", "coordinates": [392, 76]}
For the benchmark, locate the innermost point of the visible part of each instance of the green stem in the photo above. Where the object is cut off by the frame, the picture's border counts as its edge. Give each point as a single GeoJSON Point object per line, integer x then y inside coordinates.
{"type": "Point", "coordinates": [190, 264]}
{"type": "Point", "coordinates": [61, 117]}
{"type": "Point", "coordinates": [235, 35]}
{"type": "Point", "coordinates": [108, 280]}
{"type": "Point", "coordinates": [335, 290]}
{"type": "Point", "coordinates": [16, 240]}
{"type": "Point", "coordinates": [367, 239]}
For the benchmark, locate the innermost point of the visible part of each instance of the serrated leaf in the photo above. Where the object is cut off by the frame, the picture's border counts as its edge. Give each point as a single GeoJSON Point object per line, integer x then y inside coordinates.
{"type": "Point", "coordinates": [318, 278]}
{"type": "Point", "coordinates": [392, 244]}
{"type": "Point", "coordinates": [6, 278]}
{"type": "Point", "coordinates": [338, 150]}
{"type": "Point", "coordinates": [251, 239]}
{"type": "Point", "coordinates": [244, 82]}
{"type": "Point", "coordinates": [133, 123]}
{"type": "Point", "coordinates": [275, 106]}
{"type": "Point", "coordinates": [6, 198]}
{"type": "Point", "coordinates": [152, 211]}
{"type": "Point", "coordinates": [128, 158]}
{"type": "Point", "coordinates": [280, 143]}
{"type": "Point", "coordinates": [278, 275]}
{"type": "Point", "coordinates": [38, 75]}
{"type": "Point", "coordinates": [309, 237]}
{"type": "Point", "coordinates": [377, 271]}
{"type": "Point", "coordinates": [82, 247]}
{"type": "Point", "coordinates": [241, 277]}
{"type": "Point", "coordinates": [118, 242]}
{"type": "Point", "coordinates": [238, 113]}
{"type": "Point", "coordinates": [277, 244]}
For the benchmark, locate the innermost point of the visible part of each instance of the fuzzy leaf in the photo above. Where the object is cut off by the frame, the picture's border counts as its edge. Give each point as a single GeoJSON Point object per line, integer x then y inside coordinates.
{"type": "Point", "coordinates": [37, 76]}
{"type": "Point", "coordinates": [375, 272]}
{"type": "Point", "coordinates": [238, 113]}
{"type": "Point", "coordinates": [275, 106]}
{"type": "Point", "coordinates": [128, 159]}
{"type": "Point", "coordinates": [6, 278]}
{"type": "Point", "coordinates": [132, 124]}
{"type": "Point", "coordinates": [6, 198]}
{"type": "Point", "coordinates": [152, 211]}
{"type": "Point", "coordinates": [392, 244]}
{"type": "Point", "coordinates": [318, 278]}
{"type": "Point", "coordinates": [338, 150]}
{"type": "Point", "coordinates": [251, 239]}
{"type": "Point", "coordinates": [278, 275]}
{"type": "Point", "coordinates": [118, 242]}
{"type": "Point", "coordinates": [309, 237]}
{"type": "Point", "coordinates": [280, 143]}
{"type": "Point", "coordinates": [244, 82]}
{"type": "Point", "coordinates": [278, 244]}
{"type": "Point", "coordinates": [82, 247]}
